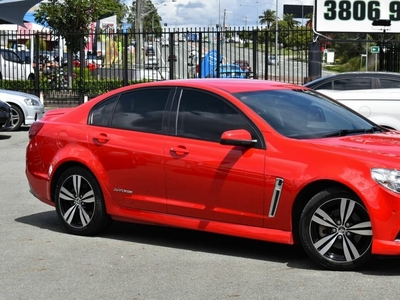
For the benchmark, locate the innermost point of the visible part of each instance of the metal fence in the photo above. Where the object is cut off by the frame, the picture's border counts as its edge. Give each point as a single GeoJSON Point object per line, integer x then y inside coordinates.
{"type": "Point", "coordinates": [37, 62]}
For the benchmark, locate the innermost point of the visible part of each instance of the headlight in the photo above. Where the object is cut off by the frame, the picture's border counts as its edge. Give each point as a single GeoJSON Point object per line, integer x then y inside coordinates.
{"type": "Point", "coordinates": [388, 178]}
{"type": "Point", "coordinates": [32, 102]}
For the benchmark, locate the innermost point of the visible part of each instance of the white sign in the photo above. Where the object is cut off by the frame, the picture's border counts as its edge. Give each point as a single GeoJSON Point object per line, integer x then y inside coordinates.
{"type": "Point", "coordinates": [356, 15]}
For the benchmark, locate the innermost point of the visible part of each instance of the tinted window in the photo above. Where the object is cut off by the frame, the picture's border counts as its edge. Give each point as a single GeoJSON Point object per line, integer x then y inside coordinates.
{"type": "Point", "coordinates": [389, 83]}
{"type": "Point", "coordinates": [325, 86]}
{"type": "Point", "coordinates": [101, 114]}
{"type": "Point", "coordinates": [141, 110]}
{"type": "Point", "coordinates": [302, 114]}
{"type": "Point", "coordinates": [352, 84]}
{"type": "Point", "coordinates": [204, 116]}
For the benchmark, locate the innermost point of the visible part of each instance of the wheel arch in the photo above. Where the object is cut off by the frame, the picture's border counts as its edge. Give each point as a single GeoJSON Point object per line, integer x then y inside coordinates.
{"type": "Point", "coordinates": [305, 195]}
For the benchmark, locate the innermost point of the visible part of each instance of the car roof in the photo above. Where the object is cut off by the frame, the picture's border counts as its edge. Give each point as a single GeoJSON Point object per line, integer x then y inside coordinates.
{"type": "Point", "coordinates": [376, 74]}
{"type": "Point", "coordinates": [231, 85]}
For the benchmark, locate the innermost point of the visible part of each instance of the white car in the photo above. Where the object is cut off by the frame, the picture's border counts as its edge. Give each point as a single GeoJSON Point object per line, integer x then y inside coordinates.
{"type": "Point", "coordinates": [151, 63]}
{"type": "Point", "coordinates": [25, 108]}
{"type": "Point", "coordinates": [381, 106]}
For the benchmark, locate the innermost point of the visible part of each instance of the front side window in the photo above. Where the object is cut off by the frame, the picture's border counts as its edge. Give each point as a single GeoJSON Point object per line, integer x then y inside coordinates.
{"type": "Point", "coordinates": [205, 116]}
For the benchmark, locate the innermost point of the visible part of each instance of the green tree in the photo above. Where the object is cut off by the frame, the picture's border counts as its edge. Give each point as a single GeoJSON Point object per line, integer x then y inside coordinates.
{"type": "Point", "coordinates": [268, 17]}
{"type": "Point", "coordinates": [68, 18]}
{"type": "Point", "coordinates": [150, 17]}
{"type": "Point", "coordinates": [290, 21]}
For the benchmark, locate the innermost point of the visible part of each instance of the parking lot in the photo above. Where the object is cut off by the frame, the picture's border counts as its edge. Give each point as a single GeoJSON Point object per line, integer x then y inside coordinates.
{"type": "Point", "coordinates": [40, 261]}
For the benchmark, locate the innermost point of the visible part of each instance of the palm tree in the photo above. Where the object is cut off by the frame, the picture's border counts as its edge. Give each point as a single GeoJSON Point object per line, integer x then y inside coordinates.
{"type": "Point", "coordinates": [309, 16]}
{"type": "Point", "coordinates": [268, 17]}
{"type": "Point", "coordinates": [290, 21]}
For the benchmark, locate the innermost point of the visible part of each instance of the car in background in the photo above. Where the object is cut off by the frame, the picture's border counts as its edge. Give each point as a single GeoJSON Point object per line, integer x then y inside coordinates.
{"type": "Point", "coordinates": [5, 116]}
{"type": "Point", "coordinates": [356, 81]}
{"type": "Point", "coordinates": [272, 60]}
{"type": "Point", "coordinates": [172, 57]}
{"type": "Point", "coordinates": [164, 42]}
{"type": "Point", "coordinates": [381, 106]}
{"type": "Point", "coordinates": [267, 160]}
{"type": "Point", "coordinates": [150, 51]}
{"type": "Point", "coordinates": [151, 62]}
{"type": "Point", "coordinates": [245, 66]}
{"type": "Point", "coordinates": [13, 67]}
{"type": "Point", "coordinates": [25, 108]}
{"type": "Point", "coordinates": [229, 71]}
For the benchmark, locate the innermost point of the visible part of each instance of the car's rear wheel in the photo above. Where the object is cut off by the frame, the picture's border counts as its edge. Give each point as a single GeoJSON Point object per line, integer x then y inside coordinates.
{"type": "Point", "coordinates": [336, 231]}
{"type": "Point", "coordinates": [17, 117]}
{"type": "Point", "coordinates": [79, 202]}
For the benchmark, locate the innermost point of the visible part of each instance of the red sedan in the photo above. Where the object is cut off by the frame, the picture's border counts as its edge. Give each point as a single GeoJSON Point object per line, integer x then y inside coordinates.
{"type": "Point", "coordinates": [255, 159]}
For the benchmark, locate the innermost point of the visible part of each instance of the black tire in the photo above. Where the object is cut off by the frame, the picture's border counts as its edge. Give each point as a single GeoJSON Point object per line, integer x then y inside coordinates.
{"type": "Point", "coordinates": [17, 117]}
{"type": "Point", "coordinates": [335, 230]}
{"type": "Point", "coordinates": [80, 204]}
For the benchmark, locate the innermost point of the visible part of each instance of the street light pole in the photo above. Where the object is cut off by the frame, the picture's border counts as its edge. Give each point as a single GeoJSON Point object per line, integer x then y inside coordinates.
{"type": "Point", "coordinates": [276, 36]}
{"type": "Point", "coordinates": [138, 32]}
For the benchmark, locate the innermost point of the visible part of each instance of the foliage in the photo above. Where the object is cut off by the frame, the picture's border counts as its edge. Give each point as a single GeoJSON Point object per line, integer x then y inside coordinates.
{"type": "Point", "coordinates": [268, 17]}
{"type": "Point", "coordinates": [151, 20]}
{"type": "Point", "coordinates": [67, 16]}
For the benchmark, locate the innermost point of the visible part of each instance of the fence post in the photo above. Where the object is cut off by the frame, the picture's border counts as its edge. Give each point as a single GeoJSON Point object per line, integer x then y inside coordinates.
{"type": "Point", "coordinates": [255, 51]}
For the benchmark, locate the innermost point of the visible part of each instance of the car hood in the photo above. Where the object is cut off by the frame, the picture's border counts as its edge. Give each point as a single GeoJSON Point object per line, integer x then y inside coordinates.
{"type": "Point", "coordinates": [386, 144]}
{"type": "Point", "coordinates": [6, 93]}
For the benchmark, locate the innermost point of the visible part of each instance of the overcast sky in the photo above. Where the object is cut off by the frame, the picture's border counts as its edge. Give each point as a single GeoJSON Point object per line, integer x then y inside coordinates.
{"type": "Point", "coordinates": [206, 13]}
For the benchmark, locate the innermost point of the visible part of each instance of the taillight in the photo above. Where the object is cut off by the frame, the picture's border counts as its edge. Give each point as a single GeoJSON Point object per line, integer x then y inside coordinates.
{"type": "Point", "coordinates": [34, 129]}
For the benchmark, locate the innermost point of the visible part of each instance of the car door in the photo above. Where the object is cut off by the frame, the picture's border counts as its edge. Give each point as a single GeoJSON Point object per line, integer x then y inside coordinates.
{"type": "Point", "coordinates": [205, 179]}
{"type": "Point", "coordinates": [127, 140]}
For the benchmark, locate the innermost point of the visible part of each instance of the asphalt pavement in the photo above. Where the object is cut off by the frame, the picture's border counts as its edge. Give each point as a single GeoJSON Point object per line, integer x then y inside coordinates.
{"type": "Point", "coordinates": [40, 261]}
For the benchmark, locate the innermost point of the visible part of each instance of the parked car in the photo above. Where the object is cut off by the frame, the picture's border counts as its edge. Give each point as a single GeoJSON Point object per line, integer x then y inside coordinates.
{"type": "Point", "coordinates": [164, 42]}
{"type": "Point", "coordinates": [13, 67]}
{"type": "Point", "coordinates": [245, 66]}
{"type": "Point", "coordinates": [229, 71]}
{"type": "Point", "coordinates": [172, 57]}
{"type": "Point", "coordinates": [267, 160]}
{"type": "Point", "coordinates": [272, 60]}
{"type": "Point", "coordinates": [151, 62]}
{"type": "Point", "coordinates": [382, 106]}
{"type": "Point", "coordinates": [356, 81]}
{"type": "Point", "coordinates": [25, 108]}
{"type": "Point", "coordinates": [150, 51]}
{"type": "Point", "coordinates": [5, 116]}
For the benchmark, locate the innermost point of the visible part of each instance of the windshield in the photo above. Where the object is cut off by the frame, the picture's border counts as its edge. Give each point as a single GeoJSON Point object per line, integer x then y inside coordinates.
{"type": "Point", "coordinates": [303, 114]}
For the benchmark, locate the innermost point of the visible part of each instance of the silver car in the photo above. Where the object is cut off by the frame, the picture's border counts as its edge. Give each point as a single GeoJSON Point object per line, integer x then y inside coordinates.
{"type": "Point", "coordinates": [25, 108]}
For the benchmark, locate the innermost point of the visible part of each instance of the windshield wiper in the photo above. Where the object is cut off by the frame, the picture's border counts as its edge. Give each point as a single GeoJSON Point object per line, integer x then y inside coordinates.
{"type": "Point", "coordinates": [344, 132]}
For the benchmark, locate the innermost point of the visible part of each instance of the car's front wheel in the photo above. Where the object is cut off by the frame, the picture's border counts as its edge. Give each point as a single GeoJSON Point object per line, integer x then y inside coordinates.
{"type": "Point", "coordinates": [336, 231]}
{"type": "Point", "coordinates": [17, 117]}
{"type": "Point", "coordinates": [79, 202]}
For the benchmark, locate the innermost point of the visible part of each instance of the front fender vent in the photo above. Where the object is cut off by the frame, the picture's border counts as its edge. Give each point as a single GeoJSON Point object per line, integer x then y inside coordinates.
{"type": "Point", "coordinates": [275, 197]}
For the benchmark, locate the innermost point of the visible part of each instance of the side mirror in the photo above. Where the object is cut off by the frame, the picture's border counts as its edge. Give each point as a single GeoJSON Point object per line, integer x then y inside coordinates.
{"type": "Point", "coordinates": [238, 137]}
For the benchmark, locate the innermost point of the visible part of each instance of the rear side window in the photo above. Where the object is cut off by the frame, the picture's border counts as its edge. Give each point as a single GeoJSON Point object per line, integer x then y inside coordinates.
{"type": "Point", "coordinates": [352, 84]}
{"type": "Point", "coordinates": [141, 110]}
{"type": "Point", "coordinates": [101, 114]}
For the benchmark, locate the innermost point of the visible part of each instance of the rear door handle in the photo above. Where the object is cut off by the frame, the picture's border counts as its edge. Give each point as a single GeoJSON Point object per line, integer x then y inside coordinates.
{"type": "Point", "coordinates": [102, 138]}
{"type": "Point", "coordinates": [179, 150]}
